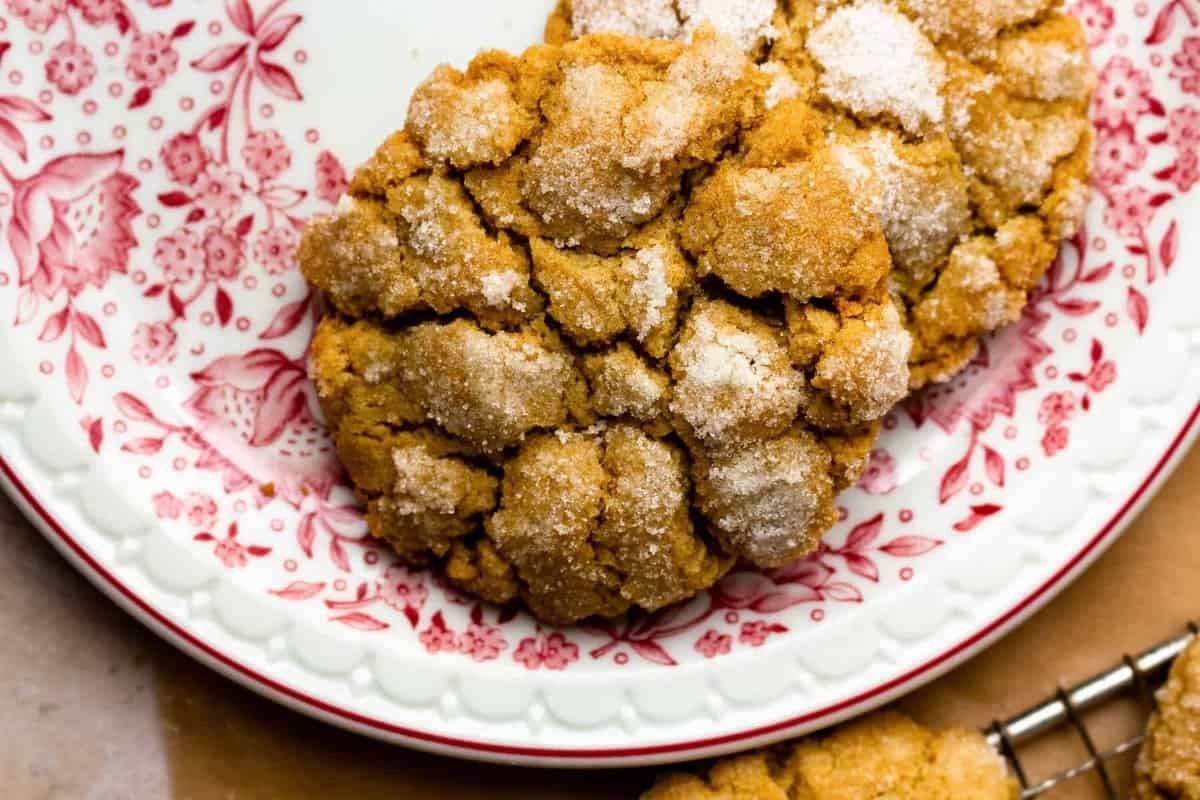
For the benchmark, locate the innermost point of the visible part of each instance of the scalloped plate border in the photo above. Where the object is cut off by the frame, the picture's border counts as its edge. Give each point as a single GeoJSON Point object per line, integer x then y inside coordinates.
{"type": "Point", "coordinates": [61, 538]}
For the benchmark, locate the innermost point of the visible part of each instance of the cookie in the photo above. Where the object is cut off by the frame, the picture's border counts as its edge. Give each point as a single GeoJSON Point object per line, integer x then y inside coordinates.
{"type": "Point", "coordinates": [1169, 762]}
{"type": "Point", "coordinates": [554, 368]}
{"type": "Point", "coordinates": [882, 755]}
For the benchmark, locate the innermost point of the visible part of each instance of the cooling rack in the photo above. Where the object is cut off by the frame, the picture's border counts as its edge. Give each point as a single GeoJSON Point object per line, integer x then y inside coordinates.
{"type": "Point", "coordinates": [1135, 675]}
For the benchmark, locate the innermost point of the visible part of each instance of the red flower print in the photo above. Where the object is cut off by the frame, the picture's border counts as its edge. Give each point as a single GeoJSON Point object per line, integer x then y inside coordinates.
{"type": "Point", "coordinates": [481, 642]}
{"type": "Point", "coordinates": [70, 67]}
{"type": "Point", "coordinates": [753, 633]}
{"type": "Point", "coordinates": [1187, 170]}
{"type": "Point", "coordinates": [38, 15]}
{"type": "Point", "coordinates": [553, 652]}
{"type": "Point", "coordinates": [1187, 65]}
{"type": "Point", "coordinates": [528, 653]}
{"type": "Point", "coordinates": [98, 12]}
{"type": "Point", "coordinates": [259, 407]}
{"type": "Point", "coordinates": [331, 178]}
{"type": "Point", "coordinates": [184, 158]}
{"type": "Point", "coordinates": [1118, 154]}
{"type": "Point", "coordinates": [219, 191]}
{"type": "Point", "coordinates": [223, 254]}
{"type": "Point", "coordinates": [1097, 19]}
{"type": "Point", "coordinates": [713, 644]}
{"type": "Point", "coordinates": [1183, 128]}
{"type": "Point", "coordinates": [1057, 408]}
{"type": "Point", "coordinates": [266, 154]}
{"type": "Point", "coordinates": [437, 638]}
{"type": "Point", "coordinates": [151, 58]}
{"type": "Point", "coordinates": [1123, 93]}
{"type": "Point", "coordinates": [180, 255]}
{"type": "Point", "coordinates": [1130, 211]}
{"type": "Point", "coordinates": [1102, 376]}
{"type": "Point", "coordinates": [230, 553]}
{"type": "Point", "coordinates": [558, 652]}
{"type": "Point", "coordinates": [275, 249]}
{"type": "Point", "coordinates": [756, 632]}
{"type": "Point", "coordinates": [1055, 440]}
{"type": "Point", "coordinates": [402, 589]}
{"type": "Point", "coordinates": [153, 343]}
{"type": "Point", "coordinates": [201, 510]}
{"type": "Point", "coordinates": [880, 475]}
{"type": "Point", "coordinates": [167, 505]}
{"type": "Point", "coordinates": [71, 226]}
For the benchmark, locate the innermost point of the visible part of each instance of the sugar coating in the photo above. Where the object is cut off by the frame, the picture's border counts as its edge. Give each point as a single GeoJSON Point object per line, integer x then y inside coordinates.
{"type": "Point", "coordinates": [624, 384]}
{"type": "Point", "coordinates": [771, 499]}
{"type": "Point", "coordinates": [971, 26]}
{"type": "Point", "coordinates": [985, 281]}
{"type": "Point", "coordinates": [422, 248]}
{"type": "Point", "coordinates": [746, 22]}
{"type": "Point", "coordinates": [734, 381]}
{"type": "Point", "coordinates": [616, 140]}
{"type": "Point", "coordinates": [552, 498]}
{"type": "Point", "coordinates": [467, 123]}
{"type": "Point", "coordinates": [490, 389]}
{"type": "Point", "coordinates": [575, 505]}
{"type": "Point", "coordinates": [865, 366]}
{"type": "Point", "coordinates": [497, 288]}
{"type": "Point", "coordinates": [783, 85]}
{"type": "Point", "coordinates": [651, 19]}
{"type": "Point", "coordinates": [924, 204]}
{"type": "Point", "coordinates": [677, 111]}
{"type": "Point", "coordinates": [575, 175]}
{"type": "Point", "coordinates": [425, 483]}
{"type": "Point", "coordinates": [1044, 71]}
{"type": "Point", "coordinates": [876, 61]}
{"type": "Point", "coordinates": [1070, 205]}
{"type": "Point", "coordinates": [649, 287]}
{"type": "Point", "coordinates": [598, 298]}
{"type": "Point", "coordinates": [647, 522]}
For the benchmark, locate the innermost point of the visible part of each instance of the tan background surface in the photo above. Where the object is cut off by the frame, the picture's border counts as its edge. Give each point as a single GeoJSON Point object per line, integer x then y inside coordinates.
{"type": "Point", "coordinates": [93, 707]}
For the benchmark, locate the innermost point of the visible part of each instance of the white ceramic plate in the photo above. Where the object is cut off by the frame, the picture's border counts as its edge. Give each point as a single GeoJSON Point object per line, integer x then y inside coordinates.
{"type": "Point", "coordinates": [157, 425]}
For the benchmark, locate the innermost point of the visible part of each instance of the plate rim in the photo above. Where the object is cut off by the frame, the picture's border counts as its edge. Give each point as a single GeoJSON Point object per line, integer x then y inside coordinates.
{"type": "Point", "coordinates": [58, 534]}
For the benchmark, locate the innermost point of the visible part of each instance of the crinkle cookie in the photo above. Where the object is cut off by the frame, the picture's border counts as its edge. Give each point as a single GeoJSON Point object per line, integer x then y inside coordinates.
{"type": "Point", "coordinates": [884, 755]}
{"type": "Point", "coordinates": [556, 367]}
{"type": "Point", "coordinates": [1169, 763]}
{"type": "Point", "coordinates": [966, 118]}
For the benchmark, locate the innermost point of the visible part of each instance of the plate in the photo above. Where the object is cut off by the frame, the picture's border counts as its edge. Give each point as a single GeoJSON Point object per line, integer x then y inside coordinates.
{"type": "Point", "coordinates": [156, 421]}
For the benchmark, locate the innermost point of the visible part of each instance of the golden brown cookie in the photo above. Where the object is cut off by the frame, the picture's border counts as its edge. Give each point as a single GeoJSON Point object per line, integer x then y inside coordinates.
{"type": "Point", "coordinates": [1169, 763]}
{"type": "Point", "coordinates": [883, 755]}
{"type": "Point", "coordinates": [555, 370]}
{"type": "Point", "coordinates": [966, 122]}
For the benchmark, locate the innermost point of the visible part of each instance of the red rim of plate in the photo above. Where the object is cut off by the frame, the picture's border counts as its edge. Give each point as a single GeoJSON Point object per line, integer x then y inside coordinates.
{"type": "Point", "coordinates": [301, 701]}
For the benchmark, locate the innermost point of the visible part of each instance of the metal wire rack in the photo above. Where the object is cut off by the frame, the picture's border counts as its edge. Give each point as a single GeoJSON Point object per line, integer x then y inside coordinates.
{"type": "Point", "coordinates": [1137, 675]}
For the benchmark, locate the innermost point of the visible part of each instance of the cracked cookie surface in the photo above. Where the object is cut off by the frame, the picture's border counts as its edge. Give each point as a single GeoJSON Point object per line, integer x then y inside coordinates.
{"type": "Point", "coordinates": [966, 121]}
{"type": "Point", "coordinates": [554, 371]}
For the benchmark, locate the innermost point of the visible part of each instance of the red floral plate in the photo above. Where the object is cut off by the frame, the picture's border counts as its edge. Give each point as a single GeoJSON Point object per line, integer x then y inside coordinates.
{"type": "Point", "coordinates": [157, 159]}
